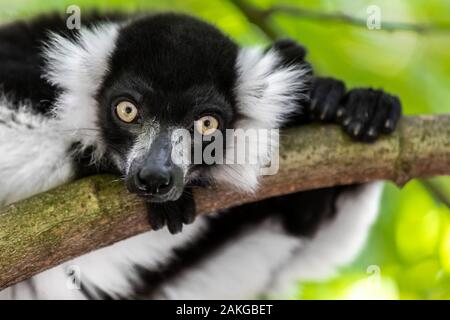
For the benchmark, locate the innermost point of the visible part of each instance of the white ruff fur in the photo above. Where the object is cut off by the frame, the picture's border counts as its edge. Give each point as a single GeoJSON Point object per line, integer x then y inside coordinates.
{"type": "Point", "coordinates": [36, 149]}
{"type": "Point", "coordinates": [78, 67]}
{"type": "Point", "coordinates": [34, 155]}
{"type": "Point", "coordinates": [266, 95]}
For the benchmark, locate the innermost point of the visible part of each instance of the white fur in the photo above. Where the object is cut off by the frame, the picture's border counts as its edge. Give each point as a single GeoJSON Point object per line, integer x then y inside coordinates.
{"type": "Point", "coordinates": [241, 269]}
{"type": "Point", "coordinates": [78, 67]}
{"type": "Point", "coordinates": [35, 149]}
{"type": "Point", "coordinates": [266, 95]}
{"type": "Point", "coordinates": [34, 154]}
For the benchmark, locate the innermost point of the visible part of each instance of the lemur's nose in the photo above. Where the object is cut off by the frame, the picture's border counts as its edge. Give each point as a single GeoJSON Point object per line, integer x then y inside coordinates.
{"type": "Point", "coordinates": [154, 180]}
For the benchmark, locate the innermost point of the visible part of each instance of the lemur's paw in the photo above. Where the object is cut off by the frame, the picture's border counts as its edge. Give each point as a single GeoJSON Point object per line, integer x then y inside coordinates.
{"type": "Point", "coordinates": [290, 50]}
{"type": "Point", "coordinates": [326, 95]}
{"type": "Point", "coordinates": [366, 113]}
{"type": "Point", "coordinates": [174, 214]}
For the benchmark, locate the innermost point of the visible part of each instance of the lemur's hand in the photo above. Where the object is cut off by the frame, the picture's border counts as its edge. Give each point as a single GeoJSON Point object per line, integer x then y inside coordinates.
{"type": "Point", "coordinates": [364, 114]}
{"type": "Point", "coordinates": [172, 213]}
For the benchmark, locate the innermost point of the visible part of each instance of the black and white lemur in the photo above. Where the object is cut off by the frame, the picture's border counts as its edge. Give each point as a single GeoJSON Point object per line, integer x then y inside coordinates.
{"type": "Point", "coordinates": [104, 99]}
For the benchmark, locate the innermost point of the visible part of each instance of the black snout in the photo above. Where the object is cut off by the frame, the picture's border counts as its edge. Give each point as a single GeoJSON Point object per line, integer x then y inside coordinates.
{"type": "Point", "coordinates": [154, 175]}
{"type": "Point", "coordinates": [155, 180]}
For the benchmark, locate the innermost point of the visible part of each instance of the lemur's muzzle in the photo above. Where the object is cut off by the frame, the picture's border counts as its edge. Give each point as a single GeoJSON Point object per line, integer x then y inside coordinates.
{"type": "Point", "coordinates": [153, 175]}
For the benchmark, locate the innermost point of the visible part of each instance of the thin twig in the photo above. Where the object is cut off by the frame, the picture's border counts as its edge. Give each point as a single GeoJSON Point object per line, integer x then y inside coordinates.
{"type": "Point", "coordinates": [436, 191]}
{"type": "Point", "coordinates": [261, 17]}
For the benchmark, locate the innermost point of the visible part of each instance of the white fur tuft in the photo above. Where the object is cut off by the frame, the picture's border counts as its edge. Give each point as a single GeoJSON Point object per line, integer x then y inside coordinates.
{"type": "Point", "coordinates": [267, 94]}
{"type": "Point", "coordinates": [36, 149]}
{"type": "Point", "coordinates": [78, 67]}
{"type": "Point", "coordinates": [35, 155]}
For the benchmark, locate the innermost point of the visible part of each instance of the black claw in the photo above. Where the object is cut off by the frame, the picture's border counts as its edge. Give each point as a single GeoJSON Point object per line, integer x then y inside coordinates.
{"type": "Point", "coordinates": [368, 113]}
{"type": "Point", "coordinates": [172, 213]}
{"type": "Point", "coordinates": [326, 94]}
{"type": "Point", "coordinates": [346, 121]}
{"type": "Point", "coordinates": [340, 113]}
{"type": "Point", "coordinates": [156, 215]}
{"type": "Point", "coordinates": [189, 215]}
{"type": "Point", "coordinates": [372, 134]}
{"type": "Point", "coordinates": [353, 129]}
{"type": "Point", "coordinates": [187, 204]}
{"type": "Point", "coordinates": [364, 114]}
{"type": "Point", "coordinates": [174, 222]}
{"type": "Point", "coordinates": [356, 129]}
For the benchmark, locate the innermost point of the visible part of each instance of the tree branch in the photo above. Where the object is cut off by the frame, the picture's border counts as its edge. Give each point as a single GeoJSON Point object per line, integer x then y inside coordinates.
{"type": "Point", "coordinates": [260, 17]}
{"type": "Point", "coordinates": [74, 219]}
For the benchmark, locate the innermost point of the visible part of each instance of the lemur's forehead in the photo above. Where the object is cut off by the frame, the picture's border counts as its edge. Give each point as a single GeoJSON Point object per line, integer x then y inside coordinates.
{"type": "Point", "coordinates": [174, 67]}
{"type": "Point", "coordinates": [175, 52]}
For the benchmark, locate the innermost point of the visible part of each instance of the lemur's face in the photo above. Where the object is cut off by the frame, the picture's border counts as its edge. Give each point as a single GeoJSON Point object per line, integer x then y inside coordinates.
{"type": "Point", "coordinates": [132, 86]}
{"type": "Point", "coordinates": [165, 74]}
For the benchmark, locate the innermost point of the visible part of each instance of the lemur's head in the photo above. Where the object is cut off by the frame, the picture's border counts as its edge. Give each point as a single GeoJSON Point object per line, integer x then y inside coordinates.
{"type": "Point", "coordinates": [132, 86]}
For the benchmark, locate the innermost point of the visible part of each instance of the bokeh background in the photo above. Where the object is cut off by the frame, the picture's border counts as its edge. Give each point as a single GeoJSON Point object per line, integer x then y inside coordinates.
{"type": "Point", "coordinates": [407, 255]}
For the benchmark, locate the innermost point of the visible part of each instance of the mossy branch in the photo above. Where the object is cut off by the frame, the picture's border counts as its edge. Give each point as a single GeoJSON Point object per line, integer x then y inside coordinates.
{"type": "Point", "coordinates": [74, 219]}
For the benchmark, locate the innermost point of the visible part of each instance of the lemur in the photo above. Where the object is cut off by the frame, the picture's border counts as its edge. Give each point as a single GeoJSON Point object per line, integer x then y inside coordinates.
{"type": "Point", "coordinates": [105, 99]}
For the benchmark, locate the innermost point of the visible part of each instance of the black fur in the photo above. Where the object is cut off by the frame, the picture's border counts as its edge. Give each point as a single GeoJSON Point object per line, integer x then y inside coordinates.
{"type": "Point", "coordinates": [364, 114]}
{"type": "Point", "coordinates": [172, 213]}
{"type": "Point", "coordinates": [189, 74]}
{"type": "Point", "coordinates": [21, 62]}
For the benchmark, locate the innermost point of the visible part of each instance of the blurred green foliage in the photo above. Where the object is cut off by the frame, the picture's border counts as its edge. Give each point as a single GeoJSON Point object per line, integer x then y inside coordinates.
{"type": "Point", "coordinates": [407, 255]}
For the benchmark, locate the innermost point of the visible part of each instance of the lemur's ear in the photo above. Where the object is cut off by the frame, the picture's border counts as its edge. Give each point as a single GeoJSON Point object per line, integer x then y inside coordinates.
{"type": "Point", "coordinates": [291, 51]}
{"type": "Point", "coordinates": [82, 61]}
{"type": "Point", "coordinates": [78, 66]}
{"type": "Point", "coordinates": [272, 84]}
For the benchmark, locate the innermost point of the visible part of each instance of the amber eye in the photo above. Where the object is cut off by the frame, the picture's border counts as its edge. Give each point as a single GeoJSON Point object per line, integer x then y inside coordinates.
{"type": "Point", "coordinates": [126, 111]}
{"type": "Point", "coordinates": [206, 125]}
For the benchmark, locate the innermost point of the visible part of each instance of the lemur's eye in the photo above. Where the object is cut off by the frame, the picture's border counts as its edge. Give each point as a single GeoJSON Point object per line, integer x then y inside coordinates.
{"type": "Point", "coordinates": [126, 111]}
{"type": "Point", "coordinates": [206, 125]}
